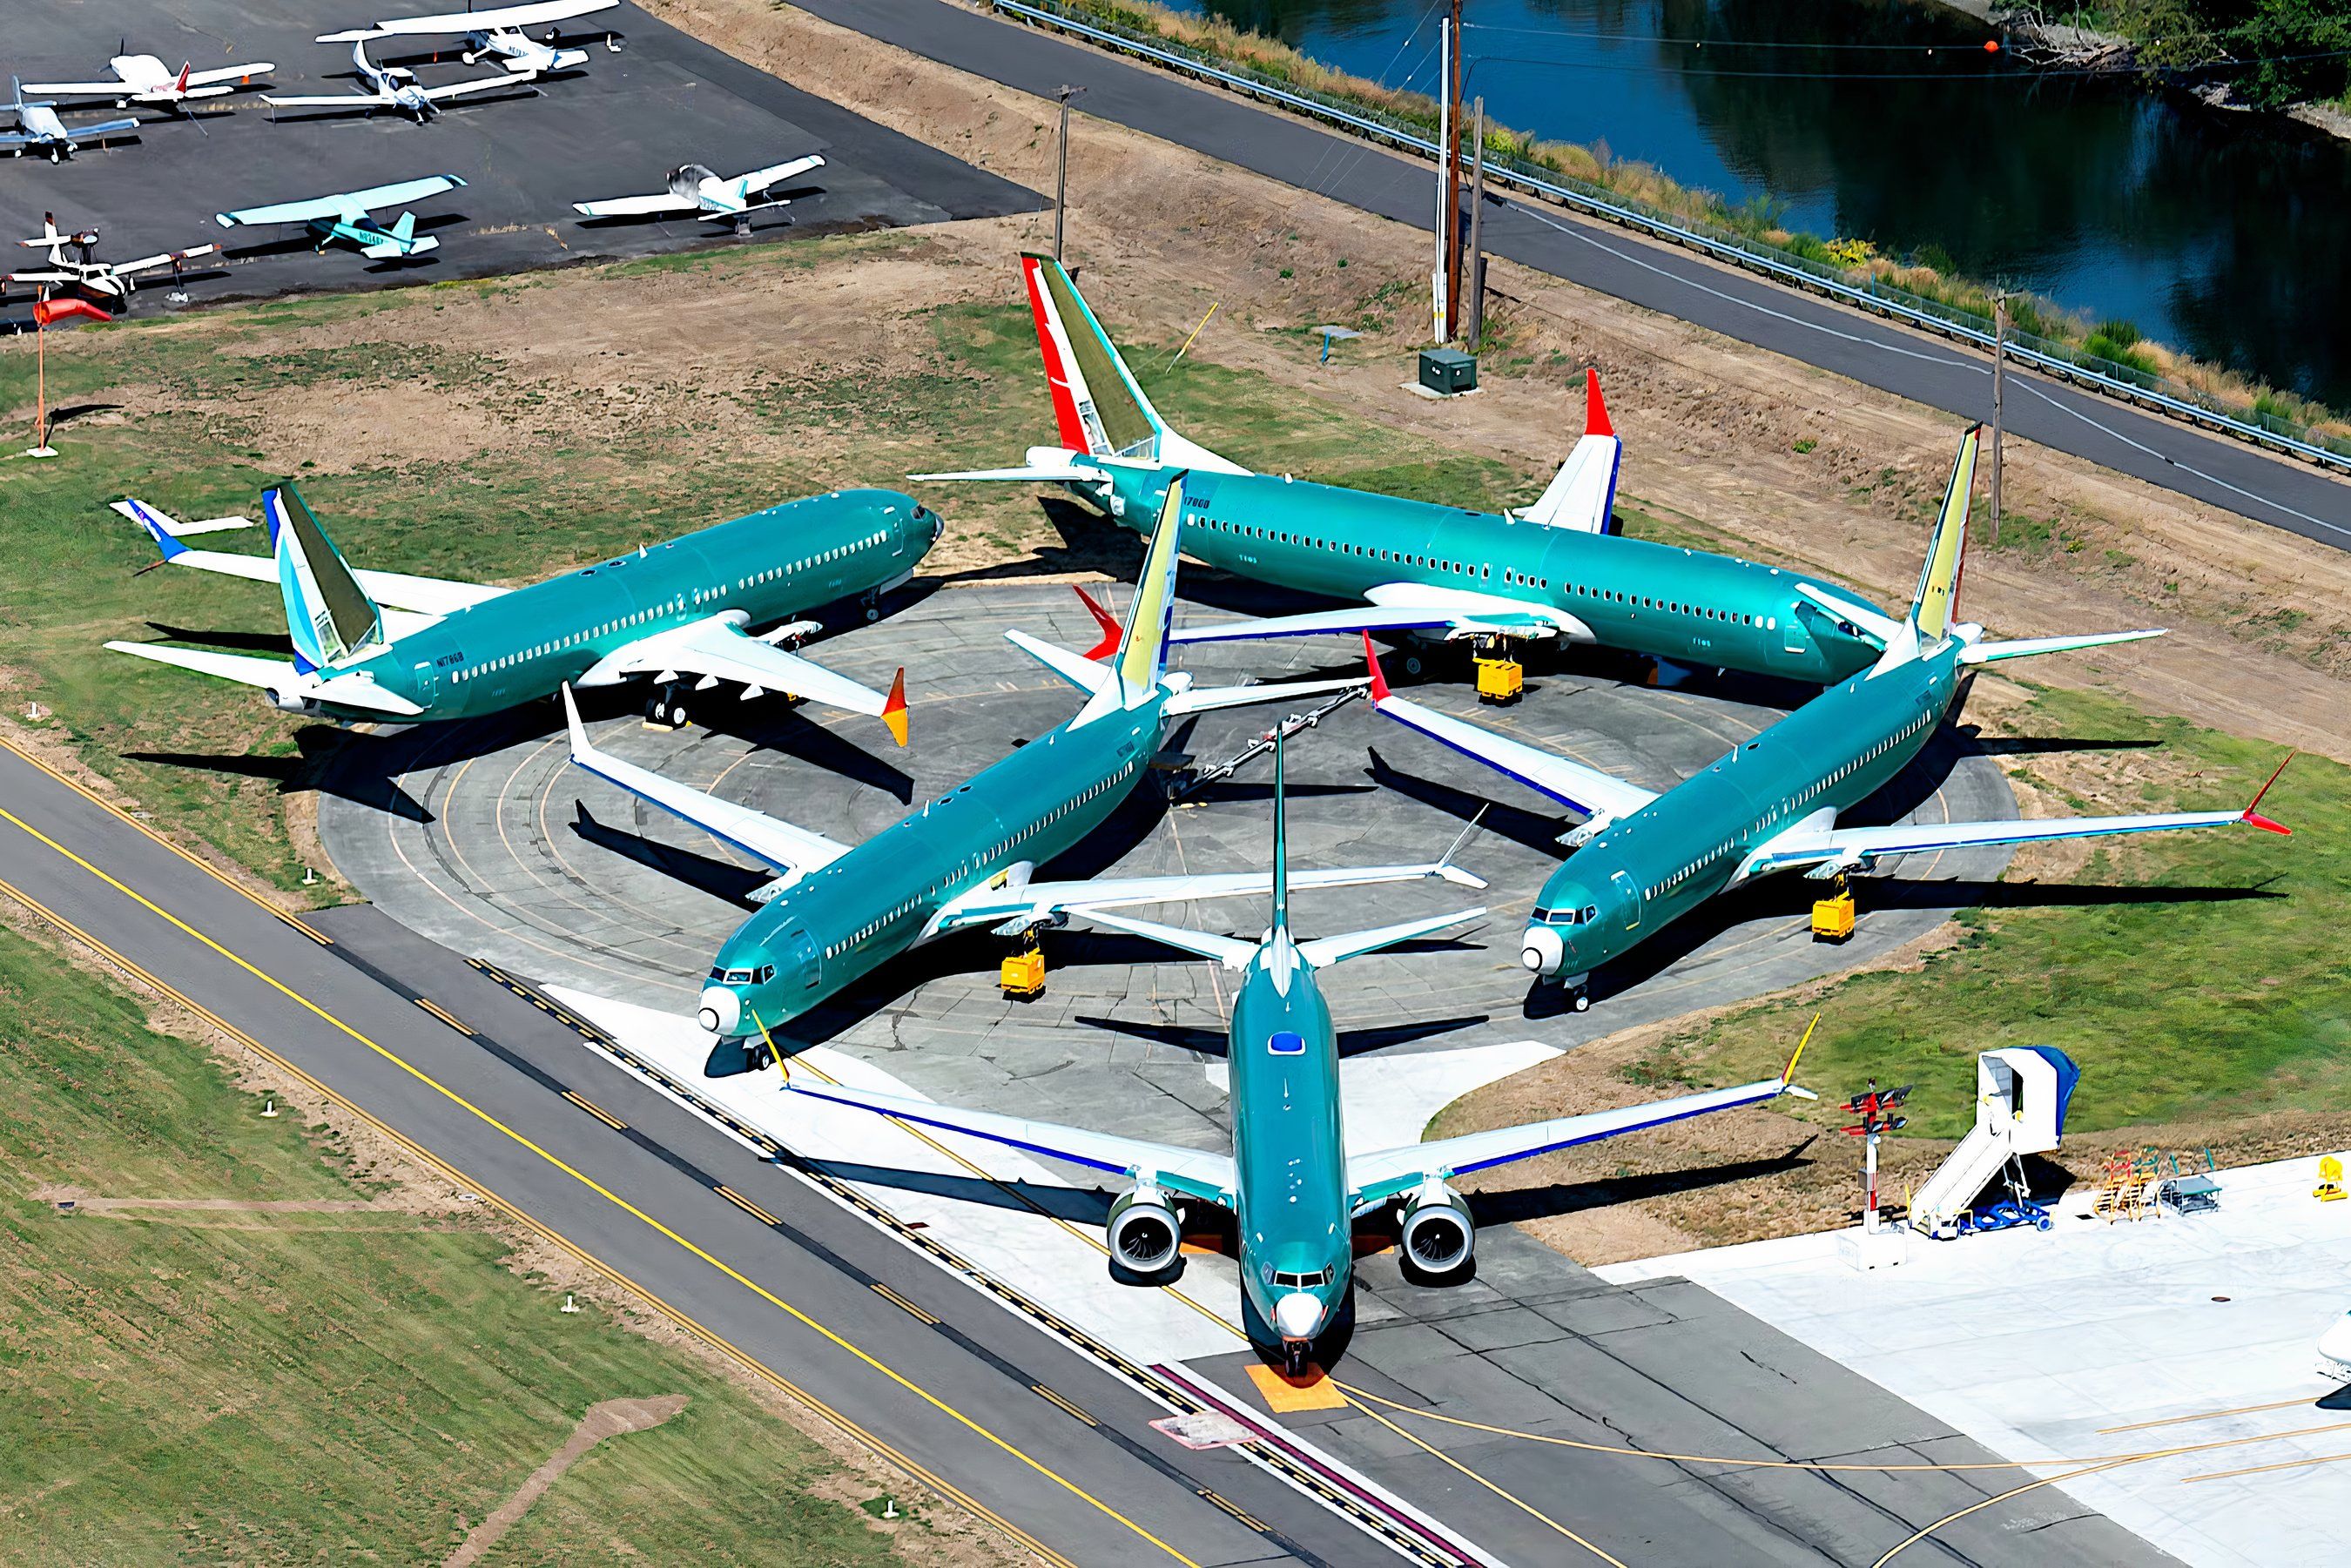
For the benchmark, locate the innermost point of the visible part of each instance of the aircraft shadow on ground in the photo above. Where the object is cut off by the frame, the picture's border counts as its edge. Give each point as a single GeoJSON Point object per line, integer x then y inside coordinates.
{"type": "Point", "coordinates": [1509, 1206]}
{"type": "Point", "coordinates": [1080, 1206]}
{"type": "Point", "coordinates": [1213, 1042]}
{"type": "Point", "coordinates": [1537, 830]}
{"type": "Point", "coordinates": [785, 730]}
{"type": "Point", "coordinates": [720, 879]}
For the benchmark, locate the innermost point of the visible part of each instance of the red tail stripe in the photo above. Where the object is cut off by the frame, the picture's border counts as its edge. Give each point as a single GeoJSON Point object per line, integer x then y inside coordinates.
{"type": "Point", "coordinates": [1057, 374]}
{"type": "Point", "coordinates": [1113, 634]}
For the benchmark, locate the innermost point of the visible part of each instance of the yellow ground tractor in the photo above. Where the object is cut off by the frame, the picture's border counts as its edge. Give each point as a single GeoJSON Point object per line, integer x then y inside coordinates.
{"type": "Point", "coordinates": [1502, 679]}
{"type": "Point", "coordinates": [2330, 1181]}
{"type": "Point", "coordinates": [1833, 917]}
{"type": "Point", "coordinates": [1022, 974]}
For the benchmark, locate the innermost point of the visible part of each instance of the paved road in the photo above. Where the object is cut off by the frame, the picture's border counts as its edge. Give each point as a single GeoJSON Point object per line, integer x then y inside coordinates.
{"type": "Point", "coordinates": [2223, 473]}
{"type": "Point", "coordinates": [794, 1292]}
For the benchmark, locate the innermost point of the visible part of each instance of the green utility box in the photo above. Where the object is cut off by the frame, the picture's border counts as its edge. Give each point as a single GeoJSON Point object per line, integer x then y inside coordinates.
{"type": "Point", "coordinates": [1449, 370]}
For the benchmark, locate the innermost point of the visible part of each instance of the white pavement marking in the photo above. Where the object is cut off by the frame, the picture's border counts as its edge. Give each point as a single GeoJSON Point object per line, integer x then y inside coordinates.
{"type": "Point", "coordinates": [2031, 1342]}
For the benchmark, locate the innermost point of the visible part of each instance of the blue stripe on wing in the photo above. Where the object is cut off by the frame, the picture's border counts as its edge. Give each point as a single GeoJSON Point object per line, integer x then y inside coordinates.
{"type": "Point", "coordinates": [1394, 711]}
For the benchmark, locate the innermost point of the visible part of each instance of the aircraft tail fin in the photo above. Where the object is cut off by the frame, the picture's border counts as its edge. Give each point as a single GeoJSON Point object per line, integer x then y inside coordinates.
{"type": "Point", "coordinates": [1097, 403]}
{"type": "Point", "coordinates": [403, 228]}
{"type": "Point", "coordinates": [328, 616]}
{"type": "Point", "coordinates": [1935, 606]}
{"type": "Point", "coordinates": [1582, 496]}
{"type": "Point", "coordinates": [1281, 841]}
{"type": "Point", "coordinates": [1142, 649]}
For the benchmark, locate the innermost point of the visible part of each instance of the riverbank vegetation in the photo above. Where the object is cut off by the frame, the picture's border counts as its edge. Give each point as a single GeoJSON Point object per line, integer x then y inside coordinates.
{"type": "Point", "coordinates": [2273, 52]}
{"type": "Point", "coordinates": [1928, 275]}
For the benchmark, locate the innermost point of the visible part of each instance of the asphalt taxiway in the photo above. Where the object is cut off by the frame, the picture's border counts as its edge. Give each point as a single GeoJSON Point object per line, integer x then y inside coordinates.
{"type": "Point", "coordinates": [613, 128]}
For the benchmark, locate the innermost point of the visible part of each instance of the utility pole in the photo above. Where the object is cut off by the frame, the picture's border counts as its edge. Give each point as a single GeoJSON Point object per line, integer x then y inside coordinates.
{"type": "Point", "coordinates": [1452, 145]}
{"type": "Point", "coordinates": [1472, 333]}
{"type": "Point", "coordinates": [1999, 371]}
{"type": "Point", "coordinates": [1061, 179]}
{"type": "Point", "coordinates": [1440, 308]}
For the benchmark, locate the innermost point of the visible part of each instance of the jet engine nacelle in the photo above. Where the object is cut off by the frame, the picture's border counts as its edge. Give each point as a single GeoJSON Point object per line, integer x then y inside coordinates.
{"type": "Point", "coordinates": [1438, 1235]}
{"type": "Point", "coordinates": [1143, 1232]}
{"type": "Point", "coordinates": [285, 704]}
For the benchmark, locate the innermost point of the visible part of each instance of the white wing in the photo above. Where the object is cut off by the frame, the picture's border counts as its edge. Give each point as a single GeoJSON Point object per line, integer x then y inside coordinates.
{"type": "Point", "coordinates": [1376, 1176]}
{"type": "Point", "coordinates": [344, 205]}
{"type": "Point", "coordinates": [230, 73]}
{"type": "Point", "coordinates": [395, 589]}
{"type": "Point", "coordinates": [479, 84]}
{"type": "Point", "coordinates": [131, 508]}
{"type": "Point", "coordinates": [1196, 1173]}
{"type": "Point", "coordinates": [775, 174]}
{"type": "Point", "coordinates": [1040, 901]}
{"type": "Point", "coordinates": [717, 646]}
{"type": "Point", "coordinates": [163, 258]}
{"type": "Point", "coordinates": [792, 850]}
{"type": "Point", "coordinates": [318, 101]}
{"type": "Point", "coordinates": [1404, 607]}
{"type": "Point", "coordinates": [1831, 850]}
{"type": "Point", "coordinates": [1316, 953]}
{"type": "Point", "coordinates": [637, 207]}
{"type": "Point", "coordinates": [529, 15]}
{"type": "Point", "coordinates": [1572, 784]}
{"type": "Point", "coordinates": [352, 691]}
{"type": "Point", "coordinates": [118, 88]}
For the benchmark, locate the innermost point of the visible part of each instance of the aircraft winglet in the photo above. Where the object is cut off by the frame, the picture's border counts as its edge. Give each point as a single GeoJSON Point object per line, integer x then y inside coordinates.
{"type": "Point", "coordinates": [2253, 812]}
{"type": "Point", "coordinates": [894, 711]}
{"type": "Point", "coordinates": [1596, 407]}
{"type": "Point", "coordinates": [162, 535]}
{"type": "Point", "coordinates": [1380, 692]}
{"type": "Point", "coordinates": [1788, 1074]}
{"type": "Point", "coordinates": [1111, 632]}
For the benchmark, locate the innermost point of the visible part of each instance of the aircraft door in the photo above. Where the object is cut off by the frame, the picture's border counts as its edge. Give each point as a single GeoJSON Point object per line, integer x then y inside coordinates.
{"type": "Point", "coordinates": [428, 682]}
{"type": "Point", "coordinates": [804, 958]}
{"type": "Point", "coordinates": [1631, 897]}
{"type": "Point", "coordinates": [1794, 638]}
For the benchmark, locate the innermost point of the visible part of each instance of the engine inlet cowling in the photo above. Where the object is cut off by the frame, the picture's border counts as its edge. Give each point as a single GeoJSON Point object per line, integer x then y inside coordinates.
{"type": "Point", "coordinates": [1143, 1232]}
{"type": "Point", "coordinates": [1437, 1234]}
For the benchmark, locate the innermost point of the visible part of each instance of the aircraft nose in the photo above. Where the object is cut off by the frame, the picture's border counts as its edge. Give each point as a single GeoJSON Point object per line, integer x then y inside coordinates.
{"type": "Point", "coordinates": [1297, 1316]}
{"type": "Point", "coordinates": [1545, 952]}
{"type": "Point", "coordinates": [722, 1009]}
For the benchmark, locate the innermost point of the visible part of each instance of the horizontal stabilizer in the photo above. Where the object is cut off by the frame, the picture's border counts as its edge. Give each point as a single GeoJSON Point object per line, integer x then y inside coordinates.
{"type": "Point", "coordinates": [1073, 667]}
{"type": "Point", "coordinates": [1200, 699]}
{"type": "Point", "coordinates": [1878, 627]}
{"type": "Point", "coordinates": [278, 677]}
{"type": "Point", "coordinates": [2025, 648]}
{"type": "Point", "coordinates": [1321, 952]}
{"type": "Point", "coordinates": [1046, 474]}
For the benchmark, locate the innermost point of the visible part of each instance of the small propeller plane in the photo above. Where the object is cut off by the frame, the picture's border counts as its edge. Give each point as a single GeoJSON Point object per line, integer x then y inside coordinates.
{"type": "Point", "coordinates": [1301, 1199]}
{"type": "Point", "coordinates": [1643, 860]}
{"type": "Point", "coordinates": [496, 33]}
{"type": "Point", "coordinates": [396, 87]}
{"type": "Point", "coordinates": [40, 129]}
{"type": "Point", "coordinates": [115, 279]}
{"type": "Point", "coordinates": [693, 189]}
{"type": "Point", "coordinates": [346, 216]}
{"type": "Point", "coordinates": [145, 79]}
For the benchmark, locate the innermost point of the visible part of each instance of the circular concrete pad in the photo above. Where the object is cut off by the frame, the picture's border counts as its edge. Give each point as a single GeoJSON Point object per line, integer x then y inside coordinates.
{"type": "Point", "coordinates": [481, 837]}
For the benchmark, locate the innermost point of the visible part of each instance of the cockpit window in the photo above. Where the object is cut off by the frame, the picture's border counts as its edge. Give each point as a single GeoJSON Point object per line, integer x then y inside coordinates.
{"type": "Point", "coordinates": [718, 974]}
{"type": "Point", "coordinates": [739, 976]}
{"type": "Point", "coordinates": [1283, 1280]}
{"type": "Point", "coordinates": [1286, 1044]}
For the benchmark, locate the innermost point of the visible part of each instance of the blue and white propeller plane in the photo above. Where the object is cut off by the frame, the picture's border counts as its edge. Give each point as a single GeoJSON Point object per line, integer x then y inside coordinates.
{"type": "Point", "coordinates": [40, 130]}
{"type": "Point", "coordinates": [1299, 1198]}
{"type": "Point", "coordinates": [346, 215]}
{"type": "Point", "coordinates": [493, 34]}
{"type": "Point", "coordinates": [396, 87]}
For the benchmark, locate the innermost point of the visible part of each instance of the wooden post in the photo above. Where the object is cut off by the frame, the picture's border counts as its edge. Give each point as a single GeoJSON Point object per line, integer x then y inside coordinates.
{"type": "Point", "coordinates": [1062, 176]}
{"type": "Point", "coordinates": [1440, 308]}
{"type": "Point", "coordinates": [1998, 370]}
{"type": "Point", "coordinates": [40, 377]}
{"type": "Point", "coordinates": [1475, 331]}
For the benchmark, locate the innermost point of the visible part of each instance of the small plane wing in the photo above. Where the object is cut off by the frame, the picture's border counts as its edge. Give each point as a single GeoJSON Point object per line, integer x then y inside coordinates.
{"type": "Point", "coordinates": [278, 675]}
{"type": "Point", "coordinates": [101, 128]}
{"type": "Point", "coordinates": [161, 259]}
{"type": "Point", "coordinates": [1042, 901]}
{"type": "Point", "coordinates": [793, 851]}
{"type": "Point", "coordinates": [393, 590]}
{"type": "Point", "coordinates": [347, 205]}
{"type": "Point", "coordinates": [1201, 1173]}
{"type": "Point", "coordinates": [1388, 1172]}
{"type": "Point", "coordinates": [231, 73]}
{"type": "Point", "coordinates": [319, 100]}
{"type": "Point", "coordinates": [133, 508]}
{"type": "Point", "coordinates": [116, 88]}
{"type": "Point", "coordinates": [636, 206]}
{"type": "Point", "coordinates": [497, 18]}
{"type": "Point", "coordinates": [478, 84]}
{"type": "Point", "coordinates": [776, 174]}
{"type": "Point", "coordinates": [717, 646]}
{"type": "Point", "coordinates": [1580, 789]}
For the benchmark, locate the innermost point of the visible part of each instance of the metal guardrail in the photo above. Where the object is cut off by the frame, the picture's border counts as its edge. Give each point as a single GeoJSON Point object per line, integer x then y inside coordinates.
{"type": "Point", "coordinates": [1781, 267]}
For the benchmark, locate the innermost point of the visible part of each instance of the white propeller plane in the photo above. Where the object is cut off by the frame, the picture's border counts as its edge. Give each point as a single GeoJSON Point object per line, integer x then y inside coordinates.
{"type": "Point", "coordinates": [37, 126]}
{"type": "Point", "coordinates": [496, 33]}
{"type": "Point", "coordinates": [143, 79]}
{"type": "Point", "coordinates": [115, 279]}
{"type": "Point", "coordinates": [693, 189]}
{"type": "Point", "coordinates": [395, 87]}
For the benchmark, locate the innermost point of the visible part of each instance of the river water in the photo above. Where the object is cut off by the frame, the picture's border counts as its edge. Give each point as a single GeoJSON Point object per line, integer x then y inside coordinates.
{"type": "Point", "coordinates": [2227, 236]}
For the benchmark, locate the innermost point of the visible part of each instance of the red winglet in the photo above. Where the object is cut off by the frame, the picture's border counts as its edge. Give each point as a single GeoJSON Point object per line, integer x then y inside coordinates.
{"type": "Point", "coordinates": [1112, 633]}
{"type": "Point", "coordinates": [894, 711]}
{"type": "Point", "coordinates": [1379, 681]}
{"type": "Point", "coordinates": [181, 85]}
{"type": "Point", "coordinates": [1596, 408]}
{"type": "Point", "coordinates": [2253, 813]}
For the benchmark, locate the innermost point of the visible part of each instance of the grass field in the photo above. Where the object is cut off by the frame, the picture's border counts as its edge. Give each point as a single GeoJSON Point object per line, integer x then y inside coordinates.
{"type": "Point", "coordinates": [2190, 973]}
{"type": "Point", "coordinates": [218, 1386]}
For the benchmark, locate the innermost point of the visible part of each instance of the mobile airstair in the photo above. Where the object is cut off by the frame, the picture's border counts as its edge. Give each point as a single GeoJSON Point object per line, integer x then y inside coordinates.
{"type": "Point", "coordinates": [2022, 1094]}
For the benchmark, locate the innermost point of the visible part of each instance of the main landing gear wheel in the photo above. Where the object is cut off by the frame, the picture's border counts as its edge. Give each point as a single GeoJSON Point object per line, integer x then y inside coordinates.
{"type": "Point", "coordinates": [666, 708]}
{"type": "Point", "coordinates": [1578, 999]}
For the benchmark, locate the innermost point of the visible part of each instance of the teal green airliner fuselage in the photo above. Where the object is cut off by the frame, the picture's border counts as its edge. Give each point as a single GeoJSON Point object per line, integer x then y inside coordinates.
{"type": "Point", "coordinates": [1688, 606]}
{"type": "Point", "coordinates": [834, 926]}
{"type": "Point", "coordinates": [772, 565]}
